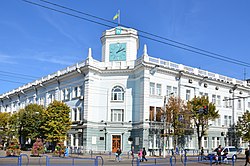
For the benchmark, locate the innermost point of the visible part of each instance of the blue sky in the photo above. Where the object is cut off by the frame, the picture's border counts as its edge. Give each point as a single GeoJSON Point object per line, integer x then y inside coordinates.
{"type": "Point", "coordinates": [36, 42]}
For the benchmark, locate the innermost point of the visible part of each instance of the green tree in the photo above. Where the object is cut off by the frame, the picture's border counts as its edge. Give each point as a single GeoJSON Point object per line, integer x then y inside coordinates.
{"type": "Point", "coordinates": [178, 119]}
{"type": "Point", "coordinates": [243, 127]}
{"type": "Point", "coordinates": [4, 126]}
{"type": "Point", "coordinates": [26, 122]}
{"type": "Point", "coordinates": [56, 122]}
{"type": "Point", "coordinates": [199, 118]}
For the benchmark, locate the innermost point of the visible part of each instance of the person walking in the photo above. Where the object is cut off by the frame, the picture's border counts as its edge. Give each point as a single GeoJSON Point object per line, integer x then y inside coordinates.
{"type": "Point", "coordinates": [117, 155]}
{"type": "Point", "coordinates": [144, 153]}
{"type": "Point", "coordinates": [132, 152]}
{"type": "Point", "coordinates": [202, 153]}
{"type": "Point", "coordinates": [218, 151]}
{"type": "Point", "coordinates": [247, 152]}
{"type": "Point", "coordinates": [140, 155]}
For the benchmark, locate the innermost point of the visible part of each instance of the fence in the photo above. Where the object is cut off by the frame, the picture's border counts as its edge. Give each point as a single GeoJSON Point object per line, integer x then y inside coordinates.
{"type": "Point", "coordinates": [207, 159]}
{"type": "Point", "coordinates": [50, 161]}
{"type": "Point", "coordinates": [155, 161]}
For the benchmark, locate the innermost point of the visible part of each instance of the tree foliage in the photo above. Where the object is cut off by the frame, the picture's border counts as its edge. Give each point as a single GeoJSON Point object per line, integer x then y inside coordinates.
{"type": "Point", "coordinates": [4, 126]}
{"type": "Point", "coordinates": [178, 118]}
{"type": "Point", "coordinates": [199, 118]}
{"type": "Point", "coordinates": [26, 122]}
{"type": "Point", "coordinates": [56, 122]}
{"type": "Point", "coordinates": [243, 127]}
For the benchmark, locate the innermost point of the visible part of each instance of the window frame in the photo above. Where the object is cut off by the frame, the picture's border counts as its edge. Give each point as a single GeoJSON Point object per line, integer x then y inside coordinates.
{"type": "Point", "coordinates": [117, 95]}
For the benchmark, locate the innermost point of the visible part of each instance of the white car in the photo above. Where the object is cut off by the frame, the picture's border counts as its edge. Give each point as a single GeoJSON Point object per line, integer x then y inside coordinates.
{"type": "Point", "coordinates": [231, 151]}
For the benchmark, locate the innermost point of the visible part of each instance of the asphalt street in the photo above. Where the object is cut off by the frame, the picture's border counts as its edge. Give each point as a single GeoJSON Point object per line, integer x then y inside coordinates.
{"type": "Point", "coordinates": [107, 161]}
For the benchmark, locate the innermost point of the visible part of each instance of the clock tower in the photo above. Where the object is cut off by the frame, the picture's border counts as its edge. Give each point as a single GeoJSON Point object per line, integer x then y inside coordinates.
{"type": "Point", "coordinates": [119, 44]}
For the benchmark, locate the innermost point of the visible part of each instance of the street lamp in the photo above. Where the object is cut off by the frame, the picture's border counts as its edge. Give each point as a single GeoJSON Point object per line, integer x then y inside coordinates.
{"type": "Point", "coordinates": [164, 128]}
{"type": "Point", "coordinates": [233, 127]}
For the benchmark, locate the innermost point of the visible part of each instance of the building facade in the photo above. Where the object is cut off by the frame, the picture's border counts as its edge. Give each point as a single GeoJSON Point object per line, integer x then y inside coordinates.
{"type": "Point", "coordinates": [111, 100]}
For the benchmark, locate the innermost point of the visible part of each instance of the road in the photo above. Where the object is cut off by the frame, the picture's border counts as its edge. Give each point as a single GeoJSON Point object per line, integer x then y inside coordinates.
{"type": "Point", "coordinates": [108, 161]}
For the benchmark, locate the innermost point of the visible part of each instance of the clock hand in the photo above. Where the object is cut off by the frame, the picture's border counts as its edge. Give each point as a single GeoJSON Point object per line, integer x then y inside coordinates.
{"type": "Point", "coordinates": [120, 50]}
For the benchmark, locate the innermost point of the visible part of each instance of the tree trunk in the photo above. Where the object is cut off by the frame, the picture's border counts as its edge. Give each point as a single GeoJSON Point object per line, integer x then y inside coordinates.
{"type": "Point", "coordinates": [199, 142]}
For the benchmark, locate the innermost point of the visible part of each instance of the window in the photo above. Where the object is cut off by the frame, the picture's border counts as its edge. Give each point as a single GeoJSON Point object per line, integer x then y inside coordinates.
{"type": "Point", "coordinates": [219, 121]}
{"type": "Point", "coordinates": [151, 113]}
{"type": "Point", "coordinates": [80, 142]}
{"type": "Point", "coordinates": [205, 142]}
{"type": "Point", "coordinates": [213, 142]}
{"type": "Point", "coordinates": [158, 114]}
{"type": "Point", "coordinates": [65, 94]}
{"type": "Point", "coordinates": [226, 102]}
{"type": "Point", "coordinates": [188, 93]}
{"type": "Point", "coordinates": [168, 91]}
{"type": "Point", "coordinates": [117, 94]}
{"type": "Point", "coordinates": [213, 99]}
{"type": "Point", "coordinates": [201, 93]}
{"type": "Point", "coordinates": [230, 120]}
{"type": "Point", "coordinates": [79, 93]}
{"type": "Point", "coordinates": [248, 104]}
{"type": "Point", "coordinates": [239, 104]}
{"type": "Point", "coordinates": [158, 89]}
{"type": "Point", "coordinates": [74, 114]}
{"type": "Point", "coordinates": [41, 101]}
{"type": "Point", "coordinates": [76, 91]}
{"type": "Point", "coordinates": [218, 100]}
{"type": "Point", "coordinates": [68, 94]}
{"type": "Point", "coordinates": [230, 103]}
{"type": "Point", "coordinates": [225, 120]}
{"type": "Point", "coordinates": [51, 97]}
{"type": "Point", "coordinates": [117, 115]}
{"type": "Point", "coordinates": [175, 91]}
{"type": "Point", "coordinates": [80, 113]}
{"type": "Point", "coordinates": [152, 88]}
{"type": "Point", "coordinates": [218, 141]}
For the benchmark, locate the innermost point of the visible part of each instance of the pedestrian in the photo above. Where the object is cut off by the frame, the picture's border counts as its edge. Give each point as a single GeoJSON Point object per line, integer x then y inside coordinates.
{"type": "Point", "coordinates": [144, 153]}
{"type": "Point", "coordinates": [140, 155]}
{"type": "Point", "coordinates": [117, 155]}
{"type": "Point", "coordinates": [218, 151]}
{"type": "Point", "coordinates": [132, 152]}
{"type": "Point", "coordinates": [224, 156]}
{"type": "Point", "coordinates": [247, 153]}
{"type": "Point", "coordinates": [176, 150]}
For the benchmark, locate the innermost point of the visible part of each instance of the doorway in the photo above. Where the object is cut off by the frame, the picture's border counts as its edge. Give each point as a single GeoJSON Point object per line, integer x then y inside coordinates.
{"type": "Point", "coordinates": [116, 143]}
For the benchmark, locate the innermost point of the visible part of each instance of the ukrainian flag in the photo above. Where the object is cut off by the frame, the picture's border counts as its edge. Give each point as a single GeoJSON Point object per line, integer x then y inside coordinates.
{"type": "Point", "coordinates": [116, 16]}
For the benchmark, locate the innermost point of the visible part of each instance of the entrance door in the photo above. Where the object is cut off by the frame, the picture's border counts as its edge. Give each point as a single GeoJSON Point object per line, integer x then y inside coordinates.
{"type": "Point", "coordinates": [116, 143]}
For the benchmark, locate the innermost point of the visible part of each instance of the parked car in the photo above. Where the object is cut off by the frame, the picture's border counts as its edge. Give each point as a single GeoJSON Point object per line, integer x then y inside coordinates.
{"type": "Point", "coordinates": [229, 150]}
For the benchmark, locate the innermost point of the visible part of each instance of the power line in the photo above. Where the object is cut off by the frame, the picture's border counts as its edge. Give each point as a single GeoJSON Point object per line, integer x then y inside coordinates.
{"type": "Point", "coordinates": [230, 60]}
{"type": "Point", "coordinates": [7, 75]}
{"type": "Point", "coordinates": [12, 81]}
{"type": "Point", "coordinates": [59, 11]}
{"type": "Point", "coordinates": [154, 35]}
{"type": "Point", "coordinates": [29, 76]}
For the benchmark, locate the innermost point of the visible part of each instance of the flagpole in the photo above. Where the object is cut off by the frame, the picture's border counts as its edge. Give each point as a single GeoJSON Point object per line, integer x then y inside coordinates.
{"type": "Point", "coordinates": [119, 16]}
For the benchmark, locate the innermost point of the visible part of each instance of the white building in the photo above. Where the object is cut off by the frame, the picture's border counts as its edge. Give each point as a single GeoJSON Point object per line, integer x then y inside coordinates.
{"type": "Point", "coordinates": [111, 100]}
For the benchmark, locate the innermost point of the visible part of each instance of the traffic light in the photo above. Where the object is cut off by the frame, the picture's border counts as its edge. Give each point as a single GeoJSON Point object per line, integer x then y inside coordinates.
{"type": "Point", "coordinates": [205, 110]}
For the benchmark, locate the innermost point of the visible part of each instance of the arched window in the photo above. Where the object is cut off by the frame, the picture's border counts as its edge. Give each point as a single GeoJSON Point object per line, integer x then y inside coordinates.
{"type": "Point", "coordinates": [117, 94]}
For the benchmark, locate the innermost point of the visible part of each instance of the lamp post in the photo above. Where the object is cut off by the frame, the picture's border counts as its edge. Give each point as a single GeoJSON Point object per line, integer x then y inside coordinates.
{"type": "Point", "coordinates": [233, 138]}
{"type": "Point", "coordinates": [164, 128]}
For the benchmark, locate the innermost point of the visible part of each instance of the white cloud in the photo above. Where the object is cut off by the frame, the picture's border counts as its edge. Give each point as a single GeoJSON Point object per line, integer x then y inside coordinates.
{"type": "Point", "coordinates": [51, 57]}
{"type": "Point", "coordinates": [58, 24]}
{"type": "Point", "coordinates": [7, 59]}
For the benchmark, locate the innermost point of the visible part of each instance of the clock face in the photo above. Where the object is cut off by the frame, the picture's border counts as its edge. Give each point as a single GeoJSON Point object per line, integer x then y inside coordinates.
{"type": "Point", "coordinates": [118, 30]}
{"type": "Point", "coordinates": [117, 52]}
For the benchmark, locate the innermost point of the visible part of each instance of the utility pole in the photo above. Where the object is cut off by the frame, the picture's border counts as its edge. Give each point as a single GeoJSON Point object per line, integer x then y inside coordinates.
{"type": "Point", "coordinates": [164, 128]}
